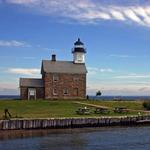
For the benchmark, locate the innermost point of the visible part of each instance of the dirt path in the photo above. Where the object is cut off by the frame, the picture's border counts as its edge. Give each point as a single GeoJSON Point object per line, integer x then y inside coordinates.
{"type": "Point", "coordinates": [100, 106]}
{"type": "Point", "coordinates": [91, 105]}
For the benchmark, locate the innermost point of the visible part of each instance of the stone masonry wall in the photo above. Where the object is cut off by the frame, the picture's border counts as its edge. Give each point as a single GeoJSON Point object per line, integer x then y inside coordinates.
{"type": "Point", "coordinates": [74, 83]}
{"type": "Point", "coordinates": [40, 93]}
{"type": "Point", "coordinates": [24, 93]}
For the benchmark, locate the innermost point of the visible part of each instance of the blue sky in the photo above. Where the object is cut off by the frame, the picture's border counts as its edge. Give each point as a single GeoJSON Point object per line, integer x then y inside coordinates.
{"type": "Point", "coordinates": [116, 34]}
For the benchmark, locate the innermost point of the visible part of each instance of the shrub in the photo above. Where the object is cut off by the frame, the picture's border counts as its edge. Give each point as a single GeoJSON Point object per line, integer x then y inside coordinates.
{"type": "Point", "coordinates": [146, 105]}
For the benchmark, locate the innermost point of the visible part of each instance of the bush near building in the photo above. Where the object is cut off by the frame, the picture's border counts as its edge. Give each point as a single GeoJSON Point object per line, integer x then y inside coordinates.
{"type": "Point", "coordinates": [146, 105]}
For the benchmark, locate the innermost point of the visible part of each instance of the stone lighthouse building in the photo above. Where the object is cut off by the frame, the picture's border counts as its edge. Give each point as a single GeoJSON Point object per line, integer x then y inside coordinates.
{"type": "Point", "coordinates": [60, 79]}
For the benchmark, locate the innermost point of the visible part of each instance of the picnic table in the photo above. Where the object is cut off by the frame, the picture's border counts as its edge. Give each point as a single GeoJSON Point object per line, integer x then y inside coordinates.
{"type": "Point", "coordinates": [101, 111]}
{"type": "Point", "coordinates": [120, 110]}
{"type": "Point", "coordinates": [83, 111]}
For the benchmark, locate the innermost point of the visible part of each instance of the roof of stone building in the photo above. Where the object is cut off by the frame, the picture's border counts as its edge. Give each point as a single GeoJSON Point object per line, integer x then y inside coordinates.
{"type": "Point", "coordinates": [31, 82]}
{"type": "Point", "coordinates": [49, 66]}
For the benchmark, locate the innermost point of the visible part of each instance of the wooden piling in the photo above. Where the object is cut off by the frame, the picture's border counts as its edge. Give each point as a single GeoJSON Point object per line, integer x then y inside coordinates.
{"type": "Point", "coordinates": [18, 124]}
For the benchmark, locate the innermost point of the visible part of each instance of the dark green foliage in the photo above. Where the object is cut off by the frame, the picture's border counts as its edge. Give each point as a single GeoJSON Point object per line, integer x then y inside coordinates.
{"type": "Point", "coordinates": [146, 105]}
{"type": "Point", "coordinates": [98, 93]}
{"type": "Point", "coordinates": [7, 113]}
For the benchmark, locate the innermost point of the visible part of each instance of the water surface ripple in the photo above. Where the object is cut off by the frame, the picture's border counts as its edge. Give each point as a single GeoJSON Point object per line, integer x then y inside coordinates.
{"type": "Point", "coordinates": [128, 138]}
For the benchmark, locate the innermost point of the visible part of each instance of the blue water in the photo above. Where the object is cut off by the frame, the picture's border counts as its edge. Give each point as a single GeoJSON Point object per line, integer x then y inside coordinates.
{"type": "Point", "coordinates": [120, 97]}
{"type": "Point", "coordinates": [131, 138]}
{"type": "Point", "coordinates": [3, 97]}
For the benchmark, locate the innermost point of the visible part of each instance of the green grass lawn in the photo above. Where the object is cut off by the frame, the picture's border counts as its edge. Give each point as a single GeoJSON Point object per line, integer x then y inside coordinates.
{"type": "Point", "coordinates": [50, 109]}
{"type": "Point", "coordinates": [137, 105]}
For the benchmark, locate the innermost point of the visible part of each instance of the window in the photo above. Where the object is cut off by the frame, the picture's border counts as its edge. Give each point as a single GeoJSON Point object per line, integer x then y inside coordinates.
{"type": "Point", "coordinates": [55, 92]}
{"type": "Point", "coordinates": [31, 93]}
{"type": "Point", "coordinates": [66, 91]}
{"type": "Point", "coordinates": [55, 78]}
{"type": "Point", "coordinates": [80, 58]}
{"type": "Point", "coordinates": [76, 80]}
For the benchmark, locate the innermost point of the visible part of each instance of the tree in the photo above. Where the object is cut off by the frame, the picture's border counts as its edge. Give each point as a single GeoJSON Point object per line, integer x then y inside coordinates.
{"type": "Point", "coordinates": [98, 93]}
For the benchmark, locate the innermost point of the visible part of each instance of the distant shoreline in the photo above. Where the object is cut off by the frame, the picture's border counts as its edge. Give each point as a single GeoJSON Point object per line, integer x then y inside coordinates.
{"type": "Point", "coordinates": [9, 97]}
{"type": "Point", "coordinates": [12, 97]}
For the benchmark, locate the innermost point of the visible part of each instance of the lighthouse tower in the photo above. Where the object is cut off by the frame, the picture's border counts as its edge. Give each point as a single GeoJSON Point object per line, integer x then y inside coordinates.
{"type": "Point", "coordinates": [79, 52]}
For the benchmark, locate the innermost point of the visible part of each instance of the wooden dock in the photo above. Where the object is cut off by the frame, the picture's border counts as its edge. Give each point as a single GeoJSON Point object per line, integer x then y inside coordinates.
{"type": "Point", "coordinates": [19, 124]}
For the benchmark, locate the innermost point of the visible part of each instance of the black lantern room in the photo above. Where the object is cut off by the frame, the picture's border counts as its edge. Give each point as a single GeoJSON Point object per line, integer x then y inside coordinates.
{"type": "Point", "coordinates": [79, 47]}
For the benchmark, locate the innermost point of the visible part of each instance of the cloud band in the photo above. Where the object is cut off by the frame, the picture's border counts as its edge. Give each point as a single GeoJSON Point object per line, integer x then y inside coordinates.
{"type": "Point", "coordinates": [92, 11]}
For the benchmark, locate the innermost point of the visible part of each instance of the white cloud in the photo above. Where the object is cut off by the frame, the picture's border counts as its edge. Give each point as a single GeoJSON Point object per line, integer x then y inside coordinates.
{"type": "Point", "coordinates": [21, 1]}
{"type": "Point", "coordinates": [116, 84]}
{"type": "Point", "coordinates": [92, 10]}
{"type": "Point", "coordinates": [94, 70]}
{"type": "Point", "coordinates": [9, 89]}
{"type": "Point", "coordinates": [128, 56]}
{"type": "Point", "coordinates": [106, 70]}
{"type": "Point", "coordinates": [129, 13]}
{"type": "Point", "coordinates": [119, 89]}
{"type": "Point", "coordinates": [133, 76]}
{"type": "Point", "coordinates": [13, 43]}
{"type": "Point", "coordinates": [122, 56]}
{"type": "Point", "coordinates": [24, 71]}
{"type": "Point", "coordinates": [117, 15]}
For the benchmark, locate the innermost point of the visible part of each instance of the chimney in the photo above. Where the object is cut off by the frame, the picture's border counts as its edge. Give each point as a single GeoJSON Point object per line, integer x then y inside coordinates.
{"type": "Point", "coordinates": [53, 57]}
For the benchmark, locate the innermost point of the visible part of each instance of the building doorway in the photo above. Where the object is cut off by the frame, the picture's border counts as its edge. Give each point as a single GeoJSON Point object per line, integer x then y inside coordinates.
{"type": "Point", "coordinates": [31, 93]}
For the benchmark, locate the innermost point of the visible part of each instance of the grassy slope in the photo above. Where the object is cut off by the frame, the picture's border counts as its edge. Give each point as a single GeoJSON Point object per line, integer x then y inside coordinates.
{"type": "Point", "coordinates": [47, 109]}
{"type": "Point", "coordinates": [39, 109]}
{"type": "Point", "coordinates": [129, 104]}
